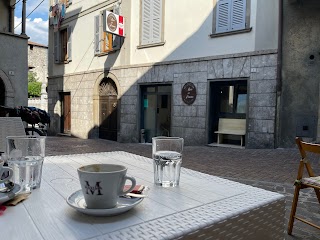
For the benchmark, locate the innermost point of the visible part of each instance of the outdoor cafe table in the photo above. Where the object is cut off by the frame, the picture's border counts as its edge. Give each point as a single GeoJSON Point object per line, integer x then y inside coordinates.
{"type": "Point", "coordinates": [202, 207]}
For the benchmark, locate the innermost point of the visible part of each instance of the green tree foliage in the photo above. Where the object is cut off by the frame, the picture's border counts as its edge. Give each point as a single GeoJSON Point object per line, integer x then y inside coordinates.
{"type": "Point", "coordinates": [34, 87]}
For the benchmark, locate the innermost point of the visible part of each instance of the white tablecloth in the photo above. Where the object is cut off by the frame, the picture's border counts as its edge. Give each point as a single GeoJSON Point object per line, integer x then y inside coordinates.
{"type": "Point", "coordinates": [202, 206]}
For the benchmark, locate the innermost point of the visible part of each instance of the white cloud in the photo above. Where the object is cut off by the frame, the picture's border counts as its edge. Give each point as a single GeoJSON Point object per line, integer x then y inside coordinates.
{"type": "Point", "coordinates": [42, 9]}
{"type": "Point", "coordinates": [36, 29]}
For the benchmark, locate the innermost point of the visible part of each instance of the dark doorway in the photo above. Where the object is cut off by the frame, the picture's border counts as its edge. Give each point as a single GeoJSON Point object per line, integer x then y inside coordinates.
{"type": "Point", "coordinates": [155, 111]}
{"type": "Point", "coordinates": [228, 99]}
{"type": "Point", "coordinates": [108, 108]}
{"type": "Point", "coordinates": [2, 93]}
{"type": "Point", "coordinates": [66, 112]}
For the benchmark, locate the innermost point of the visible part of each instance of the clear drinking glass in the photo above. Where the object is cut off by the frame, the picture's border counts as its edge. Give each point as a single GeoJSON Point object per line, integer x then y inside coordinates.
{"type": "Point", "coordinates": [167, 159]}
{"type": "Point", "coordinates": [25, 156]}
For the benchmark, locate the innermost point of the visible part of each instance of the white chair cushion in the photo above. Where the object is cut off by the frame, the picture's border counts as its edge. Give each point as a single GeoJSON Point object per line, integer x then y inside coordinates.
{"type": "Point", "coordinates": [312, 180]}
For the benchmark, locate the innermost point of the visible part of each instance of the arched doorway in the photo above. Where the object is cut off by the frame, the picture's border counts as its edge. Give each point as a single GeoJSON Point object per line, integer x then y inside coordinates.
{"type": "Point", "coordinates": [108, 104]}
{"type": "Point", "coordinates": [2, 93]}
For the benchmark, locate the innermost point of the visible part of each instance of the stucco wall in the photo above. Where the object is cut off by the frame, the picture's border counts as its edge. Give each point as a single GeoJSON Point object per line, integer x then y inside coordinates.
{"type": "Point", "coordinates": [266, 25]}
{"type": "Point", "coordinates": [4, 15]}
{"type": "Point", "coordinates": [187, 26]}
{"type": "Point", "coordinates": [14, 64]}
{"type": "Point", "coordinates": [300, 74]}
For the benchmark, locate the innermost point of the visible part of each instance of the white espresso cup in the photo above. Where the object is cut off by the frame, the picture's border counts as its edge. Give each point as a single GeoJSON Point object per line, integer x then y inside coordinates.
{"type": "Point", "coordinates": [102, 184]}
{"type": "Point", "coordinates": [5, 172]}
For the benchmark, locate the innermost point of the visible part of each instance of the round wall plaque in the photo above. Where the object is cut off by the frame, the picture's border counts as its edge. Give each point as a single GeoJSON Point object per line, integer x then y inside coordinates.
{"type": "Point", "coordinates": [112, 22]}
{"type": "Point", "coordinates": [189, 93]}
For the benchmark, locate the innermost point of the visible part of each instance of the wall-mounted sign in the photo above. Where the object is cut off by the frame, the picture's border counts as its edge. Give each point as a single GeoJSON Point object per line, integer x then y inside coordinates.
{"type": "Point", "coordinates": [189, 93]}
{"type": "Point", "coordinates": [113, 23]}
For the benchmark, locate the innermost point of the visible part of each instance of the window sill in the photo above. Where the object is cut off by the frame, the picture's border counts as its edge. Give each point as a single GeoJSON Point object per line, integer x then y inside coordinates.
{"type": "Point", "coordinates": [105, 53]}
{"type": "Point", "coordinates": [151, 45]}
{"type": "Point", "coordinates": [246, 30]}
{"type": "Point", "coordinates": [65, 62]}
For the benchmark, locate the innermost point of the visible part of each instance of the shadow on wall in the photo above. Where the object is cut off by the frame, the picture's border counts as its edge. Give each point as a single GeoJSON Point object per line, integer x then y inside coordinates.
{"type": "Point", "coordinates": [136, 110]}
{"type": "Point", "coordinates": [131, 100]}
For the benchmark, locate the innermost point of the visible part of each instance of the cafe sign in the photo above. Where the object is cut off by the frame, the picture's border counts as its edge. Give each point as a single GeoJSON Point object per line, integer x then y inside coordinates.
{"type": "Point", "coordinates": [189, 93]}
{"type": "Point", "coordinates": [113, 23]}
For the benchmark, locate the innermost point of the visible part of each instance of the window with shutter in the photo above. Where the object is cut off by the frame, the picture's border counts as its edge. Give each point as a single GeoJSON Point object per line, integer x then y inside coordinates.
{"type": "Point", "coordinates": [238, 13]}
{"type": "Point", "coordinates": [69, 41]}
{"type": "Point", "coordinates": [151, 21]}
{"type": "Point", "coordinates": [105, 42]}
{"type": "Point", "coordinates": [231, 15]}
{"type": "Point", "coordinates": [97, 34]}
{"type": "Point", "coordinates": [64, 45]}
{"type": "Point", "coordinates": [62, 49]}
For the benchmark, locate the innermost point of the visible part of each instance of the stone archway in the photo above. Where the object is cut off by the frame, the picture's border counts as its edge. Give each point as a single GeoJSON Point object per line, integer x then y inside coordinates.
{"type": "Point", "coordinates": [2, 93]}
{"type": "Point", "coordinates": [106, 107]}
{"type": "Point", "coordinates": [6, 90]}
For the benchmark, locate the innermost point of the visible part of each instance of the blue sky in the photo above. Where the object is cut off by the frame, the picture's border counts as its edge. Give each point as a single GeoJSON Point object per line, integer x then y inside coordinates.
{"type": "Point", "coordinates": [37, 22]}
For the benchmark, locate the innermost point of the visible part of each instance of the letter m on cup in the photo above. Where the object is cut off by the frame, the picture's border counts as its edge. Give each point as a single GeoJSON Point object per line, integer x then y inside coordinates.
{"type": "Point", "coordinates": [92, 189]}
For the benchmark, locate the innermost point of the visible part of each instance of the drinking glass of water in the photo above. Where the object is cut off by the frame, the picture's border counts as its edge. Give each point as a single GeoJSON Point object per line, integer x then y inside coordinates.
{"type": "Point", "coordinates": [25, 157]}
{"type": "Point", "coordinates": [167, 159]}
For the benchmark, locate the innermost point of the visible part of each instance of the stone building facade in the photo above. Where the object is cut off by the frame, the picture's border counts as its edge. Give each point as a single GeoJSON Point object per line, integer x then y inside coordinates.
{"type": "Point", "coordinates": [13, 58]}
{"type": "Point", "coordinates": [259, 69]}
{"type": "Point", "coordinates": [299, 109]}
{"type": "Point", "coordinates": [38, 63]}
{"type": "Point", "coordinates": [134, 92]}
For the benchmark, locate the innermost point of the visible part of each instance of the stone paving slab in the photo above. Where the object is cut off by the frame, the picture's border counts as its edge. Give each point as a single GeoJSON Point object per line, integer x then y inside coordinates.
{"type": "Point", "coordinates": [270, 169]}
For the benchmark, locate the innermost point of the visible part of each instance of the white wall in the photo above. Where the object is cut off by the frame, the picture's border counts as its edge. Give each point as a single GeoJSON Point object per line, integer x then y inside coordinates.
{"type": "Point", "coordinates": [188, 24]}
{"type": "Point", "coordinates": [267, 25]}
{"type": "Point", "coordinates": [187, 27]}
{"type": "Point", "coordinates": [83, 58]}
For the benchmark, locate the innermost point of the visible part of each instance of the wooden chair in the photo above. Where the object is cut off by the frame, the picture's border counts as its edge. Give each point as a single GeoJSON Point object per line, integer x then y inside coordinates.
{"type": "Point", "coordinates": [312, 181]}
{"type": "Point", "coordinates": [10, 126]}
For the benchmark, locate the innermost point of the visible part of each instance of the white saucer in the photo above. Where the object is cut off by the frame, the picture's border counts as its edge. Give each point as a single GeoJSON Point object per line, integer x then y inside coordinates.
{"type": "Point", "coordinates": [76, 201]}
{"type": "Point", "coordinates": [7, 196]}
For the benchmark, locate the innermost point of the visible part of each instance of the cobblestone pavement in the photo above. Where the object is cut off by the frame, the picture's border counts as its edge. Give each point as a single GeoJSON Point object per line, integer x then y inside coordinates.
{"type": "Point", "coordinates": [270, 169]}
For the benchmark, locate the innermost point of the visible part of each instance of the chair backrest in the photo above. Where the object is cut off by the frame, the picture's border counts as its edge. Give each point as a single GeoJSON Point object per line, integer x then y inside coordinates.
{"type": "Point", "coordinates": [304, 148]}
{"type": "Point", "coordinates": [10, 126]}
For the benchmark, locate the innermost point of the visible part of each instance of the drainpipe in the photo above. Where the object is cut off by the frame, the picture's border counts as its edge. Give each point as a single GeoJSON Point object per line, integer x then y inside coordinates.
{"type": "Point", "coordinates": [23, 29]}
{"type": "Point", "coordinates": [279, 71]}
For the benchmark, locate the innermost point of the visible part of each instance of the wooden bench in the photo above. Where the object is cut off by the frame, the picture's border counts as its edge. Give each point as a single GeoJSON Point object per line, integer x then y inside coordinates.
{"type": "Point", "coordinates": [231, 127]}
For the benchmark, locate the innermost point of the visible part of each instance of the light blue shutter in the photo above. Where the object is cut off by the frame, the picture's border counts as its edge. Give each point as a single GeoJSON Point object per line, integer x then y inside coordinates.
{"type": "Point", "coordinates": [146, 22]}
{"type": "Point", "coordinates": [56, 51]}
{"type": "Point", "coordinates": [156, 21]}
{"type": "Point", "coordinates": [223, 16]}
{"type": "Point", "coordinates": [238, 14]}
{"type": "Point", "coordinates": [69, 47]}
{"type": "Point", "coordinates": [97, 34]}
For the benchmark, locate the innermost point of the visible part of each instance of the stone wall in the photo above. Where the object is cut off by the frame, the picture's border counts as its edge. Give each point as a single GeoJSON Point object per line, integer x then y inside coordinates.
{"type": "Point", "coordinates": [299, 107]}
{"type": "Point", "coordinates": [38, 61]}
{"type": "Point", "coordinates": [187, 121]}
